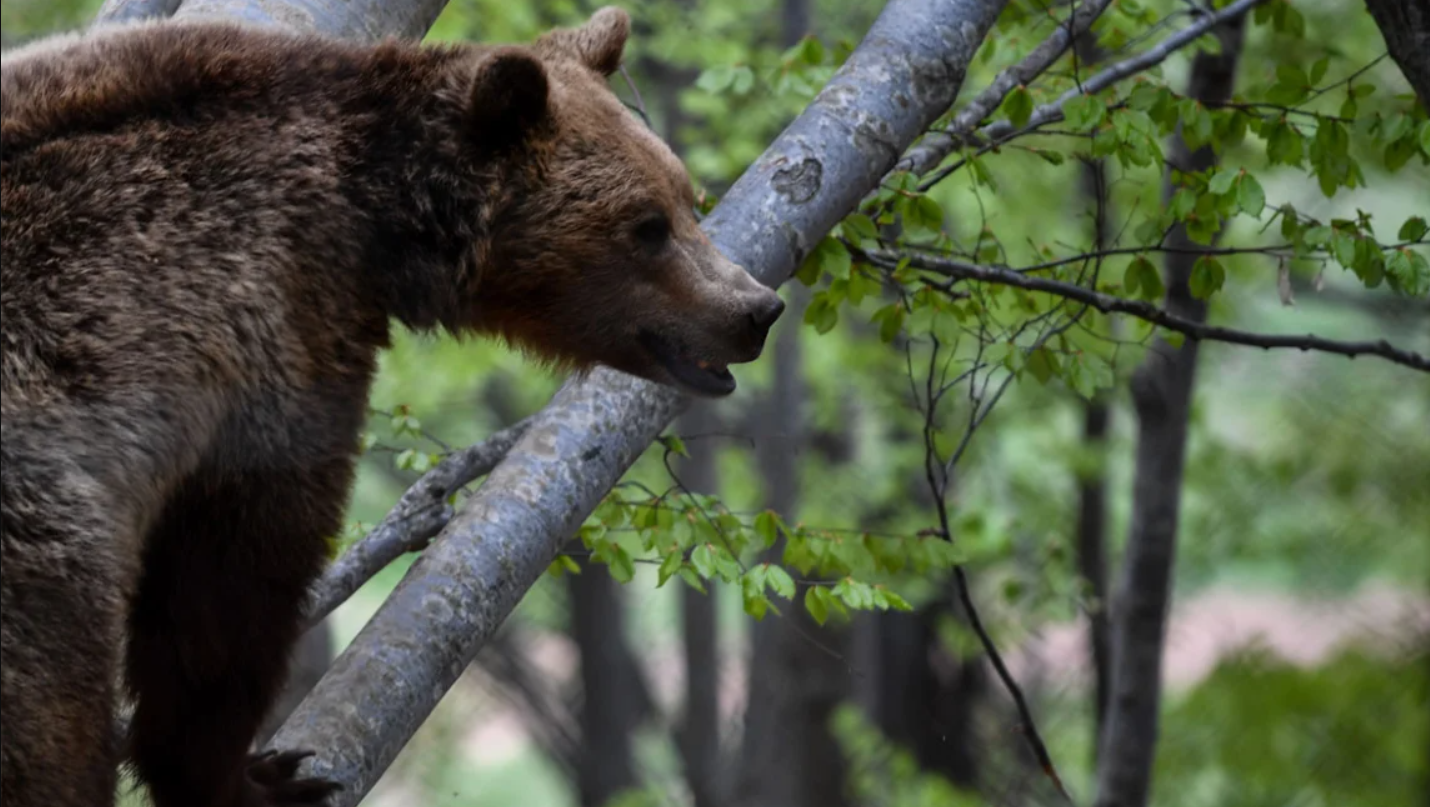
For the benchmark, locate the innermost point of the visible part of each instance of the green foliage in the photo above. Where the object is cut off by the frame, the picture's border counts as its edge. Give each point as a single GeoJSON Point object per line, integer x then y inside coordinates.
{"type": "Point", "coordinates": [884, 773]}
{"type": "Point", "coordinates": [1261, 731]}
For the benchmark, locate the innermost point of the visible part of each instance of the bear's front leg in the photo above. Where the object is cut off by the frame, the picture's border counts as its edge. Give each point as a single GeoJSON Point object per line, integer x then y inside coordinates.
{"type": "Point", "coordinates": [219, 608]}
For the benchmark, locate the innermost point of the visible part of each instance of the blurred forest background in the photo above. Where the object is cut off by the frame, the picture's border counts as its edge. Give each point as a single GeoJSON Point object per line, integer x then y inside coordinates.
{"type": "Point", "coordinates": [1296, 671]}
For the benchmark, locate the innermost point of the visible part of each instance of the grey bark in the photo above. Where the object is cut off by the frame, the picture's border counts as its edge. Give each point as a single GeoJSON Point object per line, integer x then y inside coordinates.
{"type": "Point", "coordinates": [699, 729]}
{"type": "Point", "coordinates": [904, 74]}
{"type": "Point", "coordinates": [1405, 24]}
{"type": "Point", "coordinates": [1162, 397]}
{"type": "Point", "coordinates": [121, 11]}
{"type": "Point", "coordinates": [366, 20]}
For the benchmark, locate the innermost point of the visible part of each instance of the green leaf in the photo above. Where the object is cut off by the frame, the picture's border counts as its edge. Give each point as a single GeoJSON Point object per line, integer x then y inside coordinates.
{"type": "Point", "coordinates": [922, 216]}
{"type": "Point", "coordinates": [692, 579]}
{"type": "Point", "coordinates": [703, 559]}
{"type": "Point", "coordinates": [767, 528]}
{"type": "Point", "coordinates": [1143, 280]}
{"type": "Point", "coordinates": [859, 226]}
{"type": "Point", "coordinates": [828, 257]}
{"type": "Point", "coordinates": [1250, 196]}
{"type": "Point", "coordinates": [817, 604]}
{"type": "Point", "coordinates": [1197, 125]}
{"type": "Point", "coordinates": [716, 79]}
{"type": "Point", "coordinates": [1018, 106]}
{"type": "Point", "coordinates": [891, 321]}
{"type": "Point", "coordinates": [743, 80]}
{"type": "Point", "coordinates": [1343, 246]}
{"type": "Point", "coordinates": [781, 582]}
{"type": "Point", "coordinates": [670, 567]}
{"type": "Point", "coordinates": [674, 444]}
{"type": "Point", "coordinates": [833, 257]}
{"type": "Point", "coordinates": [1395, 127]}
{"type": "Point", "coordinates": [1208, 275]}
{"type": "Point", "coordinates": [1285, 145]}
{"type": "Point", "coordinates": [1318, 70]}
{"type": "Point", "coordinates": [562, 565]}
{"type": "Point", "coordinates": [622, 567]}
{"type": "Point", "coordinates": [821, 314]}
{"type": "Point", "coordinates": [1414, 229]}
{"type": "Point", "coordinates": [1049, 156]}
{"type": "Point", "coordinates": [1221, 182]}
{"type": "Point", "coordinates": [1425, 138]}
{"type": "Point", "coordinates": [1084, 112]}
{"type": "Point", "coordinates": [896, 602]}
{"type": "Point", "coordinates": [1042, 364]}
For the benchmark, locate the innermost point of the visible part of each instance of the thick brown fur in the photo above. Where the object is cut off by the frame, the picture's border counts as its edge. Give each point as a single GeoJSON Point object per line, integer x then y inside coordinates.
{"type": "Point", "coordinates": [206, 231]}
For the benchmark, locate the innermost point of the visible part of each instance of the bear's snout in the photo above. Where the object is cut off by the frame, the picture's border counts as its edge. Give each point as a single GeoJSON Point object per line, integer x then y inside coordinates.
{"type": "Point", "coordinates": [762, 311]}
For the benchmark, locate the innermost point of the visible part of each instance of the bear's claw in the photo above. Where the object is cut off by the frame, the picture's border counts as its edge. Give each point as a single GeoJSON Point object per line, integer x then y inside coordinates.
{"type": "Point", "coordinates": [271, 775]}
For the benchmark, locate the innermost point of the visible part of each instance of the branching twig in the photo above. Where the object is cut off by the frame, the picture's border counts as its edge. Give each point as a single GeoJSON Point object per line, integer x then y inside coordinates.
{"type": "Point", "coordinates": [938, 474]}
{"type": "Point", "coordinates": [1000, 132]}
{"type": "Point", "coordinates": [1106, 303]}
{"type": "Point", "coordinates": [937, 145]}
{"type": "Point", "coordinates": [419, 515]}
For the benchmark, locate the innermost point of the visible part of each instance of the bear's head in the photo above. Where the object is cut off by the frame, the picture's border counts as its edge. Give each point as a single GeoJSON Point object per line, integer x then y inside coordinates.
{"type": "Point", "coordinates": [595, 255]}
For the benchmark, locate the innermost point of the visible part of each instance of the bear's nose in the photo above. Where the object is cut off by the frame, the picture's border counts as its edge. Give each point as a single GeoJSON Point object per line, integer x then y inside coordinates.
{"type": "Point", "coordinates": [766, 311]}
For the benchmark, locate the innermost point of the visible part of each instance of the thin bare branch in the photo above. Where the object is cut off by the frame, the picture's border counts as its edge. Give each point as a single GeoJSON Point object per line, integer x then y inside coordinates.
{"type": "Point", "coordinates": [937, 145]}
{"type": "Point", "coordinates": [1106, 303]}
{"type": "Point", "coordinates": [419, 515]}
{"type": "Point", "coordinates": [1002, 131]}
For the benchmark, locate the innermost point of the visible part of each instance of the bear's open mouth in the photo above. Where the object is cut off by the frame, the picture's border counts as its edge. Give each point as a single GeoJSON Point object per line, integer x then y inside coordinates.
{"type": "Point", "coordinates": [699, 376]}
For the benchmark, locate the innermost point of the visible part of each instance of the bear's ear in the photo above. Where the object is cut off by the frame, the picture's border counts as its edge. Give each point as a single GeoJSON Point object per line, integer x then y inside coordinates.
{"type": "Point", "coordinates": [598, 44]}
{"type": "Point", "coordinates": [510, 98]}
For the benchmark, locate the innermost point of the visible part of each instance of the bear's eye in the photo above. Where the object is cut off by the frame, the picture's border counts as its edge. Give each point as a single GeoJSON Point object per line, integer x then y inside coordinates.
{"type": "Point", "coordinates": [653, 232]}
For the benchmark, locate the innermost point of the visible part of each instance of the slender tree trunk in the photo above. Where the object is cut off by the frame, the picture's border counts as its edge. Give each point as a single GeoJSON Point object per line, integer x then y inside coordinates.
{"type": "Point", "coordinates": [1405, 24]}
{"type": "Point", "coordinates": [614, 699]}
{"type": "Point", "coordinates": [699, 736]}
{"type": "Point", "coordinates": [789, 758]}
{"type": "Point", "coordinates": [1162, 396]}
{"type": "Point", "coordinates": [1092, 487]}
{"type": "Point", "coordinates": [1092, 558]}
{"type": "Point", "coordinates": [797, 673]}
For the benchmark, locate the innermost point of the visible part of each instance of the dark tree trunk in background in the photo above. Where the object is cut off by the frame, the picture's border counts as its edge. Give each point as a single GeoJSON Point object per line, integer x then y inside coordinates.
{"type": "Point", "coordinates": [614, 699]}
{"type": "Point", "coordinates": [788, 757]}
{"type": "Point", "coordinates": [1405, 25]}
{"type": "Point", "coordinates": [912, 687]}
{"type": "Point", "coordinates": [925, 697]}
{"type": "Point", "coordinates": [1162, 396]}
{"type": "Point", "coordinates": [699, 732]}
{"type": "Point", "coordinates": [797, 673]}
{"type": "Point", "coordinates": [1092, 557]}
{"type": "Point", "coordinates": [1092, 486]}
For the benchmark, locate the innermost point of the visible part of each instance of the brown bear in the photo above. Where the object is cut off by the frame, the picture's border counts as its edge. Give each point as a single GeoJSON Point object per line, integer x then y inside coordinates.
{"type": "Point", "coordinates": [207, 230]}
